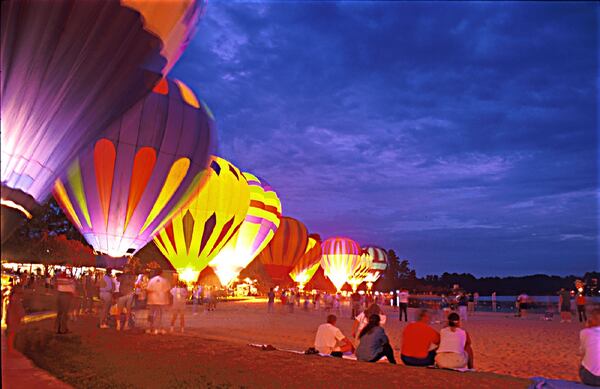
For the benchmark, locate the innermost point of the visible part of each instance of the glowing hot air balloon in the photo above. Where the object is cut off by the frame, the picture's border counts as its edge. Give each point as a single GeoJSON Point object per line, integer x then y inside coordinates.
{"type": "Point", "coordinates": [199, 231]}
{"type": "Point", "coordinates": [341, 258]}
{"type": "Point", "coordinates": [285, 249]}
{"type": "Point", "coordinates": [378, 259]}
{"type": "Point", "coordinates": [69, 68]}
{"type": "Point", "coordinates": [361, 272]}
{"type": "Point", "coordinates": [254, 234]}
{"type": "Point", "coordinates": [307, 266]}
{"type": "Point", "coordinates": [143, 168]}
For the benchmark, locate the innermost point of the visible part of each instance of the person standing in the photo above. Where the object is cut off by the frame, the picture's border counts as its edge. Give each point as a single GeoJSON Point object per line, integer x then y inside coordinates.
{"type": "Point", "coordinates": [471, 304]}
{"type": "Point", "coordinates": [580, 301]}
{"type": "Point", "coordinates": [14, 315]}
{"type": "Point", "coordinates": [403, 304]}
{"type": "Point", "coordinates": [475, 300]}
{"type": "Point", "coordinates": [158, 299]}
{"type": "Point", "coordinates": [564, 302]}
{"type": "Point", "coordinates": [271, 300]}
{"type": "Point", "coordinates": [125, 300]}
{"type": "Point", "coordinates": [65, 286]}
{"type": "Point", "coordinates": [355, 301]}
{"type": "Point", "coordinates": [463, 301]}
{"type": "Point", "coordinates": [445, 305]}
{"type": "Point", "coordinates": [493, 301]}
{"type": "Point", "coordinates": [290, 302]}
{"type": "Point", "coordinates": [140, 289]}
{"type": "Point", "coordinates": [180, 296]}
{"type": "Point", "coordinates": [106, 288]}
{"type": "Point", "coordinates": [197, 297]}
{"type": "Point", "coordinates": [89, 290]}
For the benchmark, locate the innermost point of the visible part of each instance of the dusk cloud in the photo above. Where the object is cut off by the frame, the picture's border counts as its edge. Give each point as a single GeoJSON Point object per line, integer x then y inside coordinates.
{"type": "Point", "coordinates": [463, 135]}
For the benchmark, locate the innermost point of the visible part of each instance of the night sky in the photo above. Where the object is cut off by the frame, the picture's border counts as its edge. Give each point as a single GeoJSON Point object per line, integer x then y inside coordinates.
{"type": "Point", "coordinates": [462, 135]}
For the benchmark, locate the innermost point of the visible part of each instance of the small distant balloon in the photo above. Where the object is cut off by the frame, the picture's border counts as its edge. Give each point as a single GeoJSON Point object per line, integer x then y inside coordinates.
{"type": "Point", "coordinates": [340, 259]}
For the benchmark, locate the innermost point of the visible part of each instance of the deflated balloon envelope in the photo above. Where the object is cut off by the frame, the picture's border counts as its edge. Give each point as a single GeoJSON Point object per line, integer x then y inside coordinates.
{"type": "Point", "coordinates": [69, 68]}
{"type": "Point", "coordinates": [146, 165]}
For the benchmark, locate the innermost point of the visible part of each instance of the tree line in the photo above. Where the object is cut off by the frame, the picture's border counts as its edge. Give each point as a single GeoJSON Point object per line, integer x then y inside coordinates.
{"type": "Point", "coordinates": [399, 275]}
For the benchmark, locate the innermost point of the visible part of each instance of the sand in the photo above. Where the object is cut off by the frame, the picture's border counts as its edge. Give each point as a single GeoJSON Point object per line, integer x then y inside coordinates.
{"type": "Point", "coordinates": [502, 344]}
{"type": "Point", "coordinates": [214, 352]}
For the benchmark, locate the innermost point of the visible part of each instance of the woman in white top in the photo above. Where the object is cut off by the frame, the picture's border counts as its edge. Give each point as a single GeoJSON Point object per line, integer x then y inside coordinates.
{"type": "Point", "coordinates": [455, 350]}
{"type": "Point", "coordinates": [362, 319]}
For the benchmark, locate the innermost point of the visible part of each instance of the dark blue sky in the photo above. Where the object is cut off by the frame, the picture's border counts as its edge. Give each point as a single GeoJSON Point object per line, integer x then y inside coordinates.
{"type": "Point", "coordinates": [462, 135]}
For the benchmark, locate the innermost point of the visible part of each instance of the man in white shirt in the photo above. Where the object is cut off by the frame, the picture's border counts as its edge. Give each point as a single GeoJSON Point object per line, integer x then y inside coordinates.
{"type": "Point", "coordinates": [330, 340]}
{"type": "Point", "coordinates": [403, 304]}
{"type": "Point", "coordinates": [158, 299]}
{"type": "Point", "coordinates": [589, 339]}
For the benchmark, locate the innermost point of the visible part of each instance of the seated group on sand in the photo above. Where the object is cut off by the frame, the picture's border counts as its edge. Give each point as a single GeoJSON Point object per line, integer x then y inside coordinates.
{"type": "Point", "coordinates": [422, 345]}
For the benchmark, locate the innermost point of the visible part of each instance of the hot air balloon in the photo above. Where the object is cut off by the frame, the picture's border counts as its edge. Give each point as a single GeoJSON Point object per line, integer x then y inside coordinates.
{"type": "Point", "coordinates": [285, 249]}
{"type": "Point", "coordinates": [361, 272]}
{"type": "Point", "coordinates": [340, 259]}
{"type": "Point", "coordinates": [378, 259]}
{"type": "Point", "coordinates": [256, 231]}
{"type": "Point", "coordinates": [309, 263]}
{"type": "Point", "coordinates": [143, 168]}
{"type": "Point", "coordinates": [69, 68]}
{"type": "Point", "coordinates": [199, 231]}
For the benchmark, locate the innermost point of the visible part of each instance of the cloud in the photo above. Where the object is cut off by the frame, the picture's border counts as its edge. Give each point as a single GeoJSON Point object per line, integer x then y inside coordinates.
{"type": "Point", "coordinates": [460, 134]}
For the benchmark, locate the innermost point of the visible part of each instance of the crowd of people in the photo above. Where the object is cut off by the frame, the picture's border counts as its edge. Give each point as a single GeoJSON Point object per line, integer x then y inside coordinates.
{"type": "Point", "coordinates": [117, 293]}
{"type": "Point", "coordinates": [110, 294]}
{"type": "Point", "coordinates": [422, 345]}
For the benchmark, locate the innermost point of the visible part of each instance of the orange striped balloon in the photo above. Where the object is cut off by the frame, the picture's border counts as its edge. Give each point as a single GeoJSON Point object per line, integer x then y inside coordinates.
{"type": "Point", "coordinates": [285, 250]}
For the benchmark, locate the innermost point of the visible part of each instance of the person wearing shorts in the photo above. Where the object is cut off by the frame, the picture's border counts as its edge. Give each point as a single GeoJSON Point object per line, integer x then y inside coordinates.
{"type": "Point", "coordinates": [125, 300]}
{"type": "Point", "coordinates": [565, 305]}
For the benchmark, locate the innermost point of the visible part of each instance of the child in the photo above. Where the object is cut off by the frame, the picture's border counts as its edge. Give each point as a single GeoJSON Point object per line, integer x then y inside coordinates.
{"type": "Point", "coordinates": [180, 296]}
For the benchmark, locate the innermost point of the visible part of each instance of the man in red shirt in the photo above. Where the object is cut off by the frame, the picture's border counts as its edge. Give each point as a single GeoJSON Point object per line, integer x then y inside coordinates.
{"type": "Point", "coordinates": [417, 341]}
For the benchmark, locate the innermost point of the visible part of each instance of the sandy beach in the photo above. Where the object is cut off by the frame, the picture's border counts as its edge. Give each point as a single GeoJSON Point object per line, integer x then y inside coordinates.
{"type": "Point", "coordinates": [502, 344]}
{"type": "Point", "coordinates": [214, 352]}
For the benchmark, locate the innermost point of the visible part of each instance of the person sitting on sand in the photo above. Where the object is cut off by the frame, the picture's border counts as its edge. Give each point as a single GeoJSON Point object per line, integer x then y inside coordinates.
{"type": "Point", "coordinates": [362, 319]}
{"type": "Point", "coordinates": [589, 339]}
{"type": "Point", "coordinates": [419, 341]}
{"type": "Point", "coordinates": [330, 340]}
{"type": "Point", "coordinates": [455, 350]}
{"type": "Point", "coordinates": [374, 343]}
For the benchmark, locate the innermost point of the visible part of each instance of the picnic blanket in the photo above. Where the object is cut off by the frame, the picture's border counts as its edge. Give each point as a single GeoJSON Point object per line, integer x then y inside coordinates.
{"type": "Point", "coordinates": [547, 383]}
